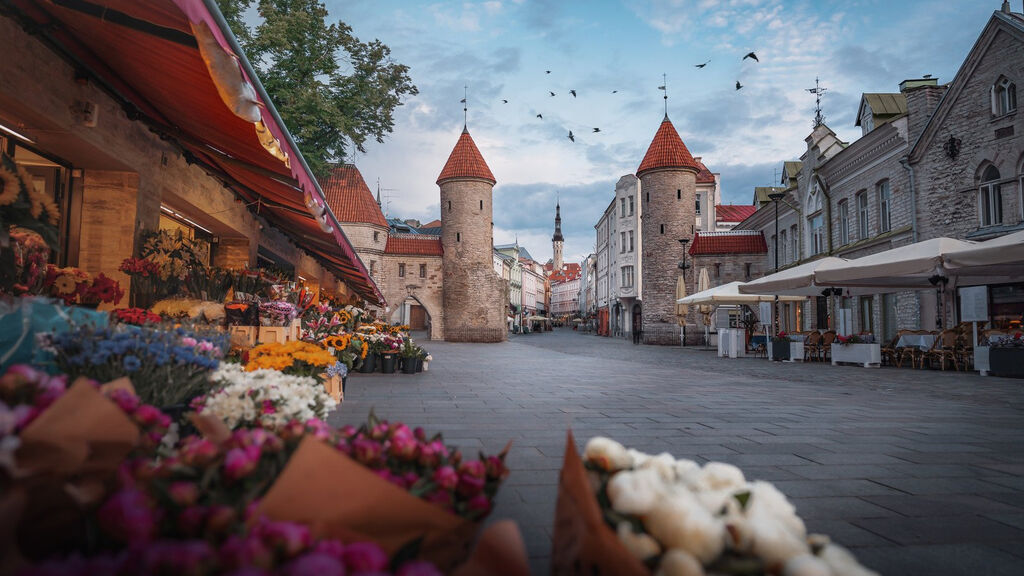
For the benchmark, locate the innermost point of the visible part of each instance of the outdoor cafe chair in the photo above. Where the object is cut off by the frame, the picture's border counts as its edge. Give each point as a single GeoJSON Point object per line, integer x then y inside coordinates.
{"type": "Point", "coordinates": [944, 350]}
{"type": "Point", "coordinates": [825, 348]}
{"type": "Point", "coordinates": [890, 352]}
{"type": "Point", "coordinates": [812, 345]}
{"type": "Point", "coordinates": [913, 353]}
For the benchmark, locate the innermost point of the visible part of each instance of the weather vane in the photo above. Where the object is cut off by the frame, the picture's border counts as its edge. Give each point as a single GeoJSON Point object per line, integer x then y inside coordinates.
{"type": "Point", "coordinates": [465, 106]}
{"type": "Point", "coordinates": [664, 88]}
{"type": "Point", "coordinates": [818, 91]}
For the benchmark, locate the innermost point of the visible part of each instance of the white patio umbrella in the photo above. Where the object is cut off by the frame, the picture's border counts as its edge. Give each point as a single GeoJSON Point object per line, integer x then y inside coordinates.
{"type": "Point", "coordinates": [797, 281]}
{"type": "Point", "coordinates": [730, 294]}
{"type": "Point", "coordinates": [904, 268]}
{"type": "Point", "coordinates": [703, 283]}
{"type": "Point", "coordinates": [1002, 256]}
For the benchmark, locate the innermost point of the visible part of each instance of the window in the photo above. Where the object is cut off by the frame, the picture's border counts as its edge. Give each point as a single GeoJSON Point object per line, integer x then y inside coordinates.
{"type": "Point", "coordinates": [784, 247]}
{"type": "Point", "coordinates": [679, 194]}
{"type": "Point", "coordinates": [376, 236]}
{"type": "Point", "coordinates": [458, 237]}
{"type": "Point", "coordinates": [423, 270]}
{"type": "Point", "coordinates": [449, 205]}
{"type": "Point", "coordinates": [373, 267]}
{"type": "Point", "coordinates": [622, 241]}
{"type": "Point", "coordinates": [698, 204]}
{"type": "Point", "coordinates": [817, 223]}
{"type": "Point", "coordinates": [627, 276]}
{"type": "Point", "coordinates": [990, 198]}
{"type": "Point", "coordinates": [862, 215]}
{"type": "Point", "coordinates": [622, 206]}
{"type": "Point", "coordinates": [648, 197]}
{"type": "Point", "coordinates": [662, 228]}
{"type": "Point", "coordinates": [630, 205]}
{"type": "Point", "coordinates": [746, 271]}
{"type": "Point", "coordinates": [844, 223]}
{"type": "Point", "coordinates": [481, 204]}
{"type": "Point", "coordinates": [794, 240]}
{"type": "Point", "coordinates": [401, 270]}
{"type": "Point", "coordinates": [867, 314]}
{"type": "Point", "coordinates": [1004, 97]}
{"type": "Point", "coordinates": [884, 206]}
{"type": "Point", "coordinates": [630, 240]}
{"type": "Point", "coordinates": [718, 270]}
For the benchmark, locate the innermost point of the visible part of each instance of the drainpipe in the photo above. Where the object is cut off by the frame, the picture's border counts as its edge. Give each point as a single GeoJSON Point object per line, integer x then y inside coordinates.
{"type": "Point", "coordinates": [905, 162]}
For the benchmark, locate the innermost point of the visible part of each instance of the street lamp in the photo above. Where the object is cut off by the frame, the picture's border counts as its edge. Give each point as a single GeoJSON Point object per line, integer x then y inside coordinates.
{"type": "Point", "coordinates": [775, 198]}
{"type": "Point", "coordinates": [683, 266]}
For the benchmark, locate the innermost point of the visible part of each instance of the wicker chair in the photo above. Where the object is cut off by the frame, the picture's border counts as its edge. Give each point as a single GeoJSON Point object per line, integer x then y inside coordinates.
{"type": "Point", "coordinates": [812, 346]}
{"type": "Point", "coordinates": [890, 352]}
{"type": "Point", "coordinates": [913, 353]}
{"type": "Point", "coordinates": [825, 348]}
{"type": "Point", "coordinates": [945, 349]}
{"type": "Point", "coordinates": [965, 350]}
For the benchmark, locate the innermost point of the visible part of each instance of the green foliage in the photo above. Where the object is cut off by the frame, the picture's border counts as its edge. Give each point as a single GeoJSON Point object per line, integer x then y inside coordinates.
{"type": "Point", "coordinates": [332, 90]}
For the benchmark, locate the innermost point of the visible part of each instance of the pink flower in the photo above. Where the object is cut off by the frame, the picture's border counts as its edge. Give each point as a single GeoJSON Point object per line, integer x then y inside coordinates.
{"type": "Point", "coordinates": [366, 451]}
{"type": "Point", "coordinates": [380, 431]}
{"type": "Point", "coordinates": [188, 341]}
{"type": "Point", "coordinates": [470, 485]}
{"type": "Point", "coordinates": [318, 428]}
{"type": "Point", "coordinates": [149, 415]}
{"type": "Point", "coordinates": [332, 548]}
{"type": "Point", "coordinates": [315, 565]}
{"type": "Point", "coordinates": [480, 503]}
{"type": "Point", "coordinates": [403, 447]}
{"type": "Point", "coordinates": [197, 451]}
{"type": "Point", "coordinates": [473, 468]}
{"type": "Point", "coordinates": [240, 462]}
{"type": "Point", "coordinates": [446, 477]}
{"type": "Point", "coordinates": [128, 517]}
{"type": "Point", "coordinates": [268, 407]}
{"type": "Point", "coordinates": [420, 434]}
{"type": "Point", "coordinates": [204, 346]}
{"type": "Point", "coordinates": [190, 521]}
{"type": "Point", "coordinates": [496, 469]}
{"type": "Point", "coordinates": [440, 497]}
{"type": "Point", "coordinates": [125, 400]}
{"type": "Point", "coordinates": [289, 537]}
{"type": "Point", "coordinates": [365, 557]}
{"type": "Point", "coordinates": [237, 552]}
{"type": "Point", "coordinates": [418, 568]}
{"type": "Point", "coordinates": [183, 493]}
{"type": "Point", "coordinates": [348, 430]}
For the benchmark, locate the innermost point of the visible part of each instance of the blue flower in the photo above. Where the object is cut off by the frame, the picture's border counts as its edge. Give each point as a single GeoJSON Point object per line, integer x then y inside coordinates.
{"type": "Point", "coordinates": [132, 363]}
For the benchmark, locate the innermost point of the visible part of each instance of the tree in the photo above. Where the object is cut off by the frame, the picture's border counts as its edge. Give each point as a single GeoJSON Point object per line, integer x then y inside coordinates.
{"type": "Point", "coordinates": [332, 90]}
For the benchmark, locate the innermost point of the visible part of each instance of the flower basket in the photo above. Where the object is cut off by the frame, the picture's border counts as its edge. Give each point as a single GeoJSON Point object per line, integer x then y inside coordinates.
{"type": "Point", "coordinates": [369, 364]}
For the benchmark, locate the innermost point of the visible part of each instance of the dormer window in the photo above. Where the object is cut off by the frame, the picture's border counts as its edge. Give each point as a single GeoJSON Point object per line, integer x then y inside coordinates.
{"type": "Point", "coordinates": [1004, 97]}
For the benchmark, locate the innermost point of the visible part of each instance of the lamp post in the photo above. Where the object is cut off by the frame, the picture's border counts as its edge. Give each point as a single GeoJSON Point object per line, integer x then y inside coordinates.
{"type": "Point", "coordinates": [775, 198]}
{"type": "Point", "coordinates": [683, 266]}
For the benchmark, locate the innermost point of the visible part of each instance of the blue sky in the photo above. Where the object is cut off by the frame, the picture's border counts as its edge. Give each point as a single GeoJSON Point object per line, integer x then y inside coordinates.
{"type": "Point", "coordinates": [501, 50]}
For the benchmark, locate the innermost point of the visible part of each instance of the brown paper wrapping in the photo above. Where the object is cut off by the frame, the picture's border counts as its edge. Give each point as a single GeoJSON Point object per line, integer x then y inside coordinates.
{"type": "Point", "coordinates": [211, 427]}
{"type": "Point", "coordinates": [583, 543]}
{"type": "Point", "coordinates": [340, 498]}
{"type": "Point", "coordinates": [499, 552]}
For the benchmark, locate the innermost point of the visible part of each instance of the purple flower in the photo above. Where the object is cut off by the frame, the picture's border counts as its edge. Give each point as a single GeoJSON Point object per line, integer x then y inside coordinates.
{"type": "Point", "coordinates": [128, 517]}
{"type": "Point", "coordinates": [365, 557]}
{"type": "Point", "coordinates": [315, 564]}
{"type": "Point", "coordinates": [238, 552]}
{"type": "Point", "coordinates": [290, 537]}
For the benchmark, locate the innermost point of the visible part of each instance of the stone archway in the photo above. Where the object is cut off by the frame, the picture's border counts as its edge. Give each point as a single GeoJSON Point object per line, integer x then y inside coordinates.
{"type": "Point", "coordinates": [420, 311]}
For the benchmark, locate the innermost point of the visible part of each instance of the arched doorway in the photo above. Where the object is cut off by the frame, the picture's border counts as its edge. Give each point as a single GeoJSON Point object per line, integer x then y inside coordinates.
{"type": "Point", "coordinates": [413, 313]}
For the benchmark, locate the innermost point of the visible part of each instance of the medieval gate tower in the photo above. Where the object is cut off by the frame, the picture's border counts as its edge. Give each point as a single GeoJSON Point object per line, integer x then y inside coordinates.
{"type": "Point", "coordinates": [668, 184]}
{"type": "Point", "coordinates": [474, 295]}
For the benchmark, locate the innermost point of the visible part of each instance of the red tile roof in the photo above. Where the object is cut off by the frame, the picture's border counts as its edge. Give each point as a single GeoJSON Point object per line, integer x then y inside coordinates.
{"type": "Point", "coordinates": [350, 198]}
{"type": "Point", "coordinates": [413, 245]}
{"type": "Point", "coordinates": [731, 242]}
{"type": "Point", "coordinates": [731, 213]}
{"type": "Point", "coordinates": [704, 176]}
{"type": "Point", "coordinates": [466, 162]}
{"type": "Point", "coordinates": [432, 224]}
{"type": "Point", "coordinates": [667, 151]}
{"type": "Point", "coordinates": [569, 271]}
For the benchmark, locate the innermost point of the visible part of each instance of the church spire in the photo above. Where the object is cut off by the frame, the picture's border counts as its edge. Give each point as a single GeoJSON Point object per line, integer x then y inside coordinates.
{"type": "Point", "coordinates": [558, 224]}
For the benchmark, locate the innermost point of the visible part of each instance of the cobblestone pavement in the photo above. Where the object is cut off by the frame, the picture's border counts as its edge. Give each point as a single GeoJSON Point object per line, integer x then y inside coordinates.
{"type": "Point", "coordinates": [920, 472]}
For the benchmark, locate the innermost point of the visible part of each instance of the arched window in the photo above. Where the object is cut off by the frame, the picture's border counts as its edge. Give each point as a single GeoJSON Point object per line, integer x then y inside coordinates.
{"type": "Point", "coordinates": [1004, 96]}
{"type": "Point", "coordinates": [990, 198]}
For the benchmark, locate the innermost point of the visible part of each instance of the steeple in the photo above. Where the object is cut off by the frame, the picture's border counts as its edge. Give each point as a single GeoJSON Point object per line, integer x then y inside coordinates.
{"type": "Point", "coordinates": [557, 240]}
{"type": "Point", "coordinates": [558, 224]}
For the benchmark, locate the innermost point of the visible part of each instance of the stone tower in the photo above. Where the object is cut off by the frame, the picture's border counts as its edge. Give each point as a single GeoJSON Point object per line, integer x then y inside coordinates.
{"type": "Point", "coordinates": [556, 241]}
{"type": "Point", "coordinates": [668, 183]}
{"type": "Point", "coordinates": [474, 295]}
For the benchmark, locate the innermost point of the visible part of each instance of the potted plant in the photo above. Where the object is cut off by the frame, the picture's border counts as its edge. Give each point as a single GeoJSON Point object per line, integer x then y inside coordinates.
{"type": "Point", "coordinates": [856, 349]}
{"type": "Point", "coordinates": [1006, 357]}
{"type": "Point", "coordinates": [781, 347]}
{"type": "Point", "coordinates": [410, 352]}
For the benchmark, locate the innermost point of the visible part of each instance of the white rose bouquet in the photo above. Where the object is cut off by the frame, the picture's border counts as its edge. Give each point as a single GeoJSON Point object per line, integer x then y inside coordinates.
{"type": "Point", "coordinates": [679, 518]}
{"type": "Point", "coordinates": [263, 398]}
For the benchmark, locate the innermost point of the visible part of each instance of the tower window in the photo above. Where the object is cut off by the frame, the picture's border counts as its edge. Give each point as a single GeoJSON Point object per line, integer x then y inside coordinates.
{"type": "Point", "coordinates": [449, 205]}
{"type": "Point", "coordinates": [648, 197]}
{"type": "Point", "coordinates": [401, 270]}
{"type": "Point", "coordinates": [376, 236]}
{"type": "Point", "coordinates": [458, 237]}
{"type": "Point", "coordinates": [481, 204]}
{"type": "Point", "coordinates": [423, 270]}
{"type": "Point", "coordinates": [1004, 97]}
{"type": "Point", "coordinates": [679, 194]}
{"type": "Point", "coordinates": [662, 228]}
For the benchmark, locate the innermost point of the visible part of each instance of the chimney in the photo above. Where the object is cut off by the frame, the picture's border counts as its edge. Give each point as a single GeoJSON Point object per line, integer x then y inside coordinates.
{"type": "Point", "coordinates": [923, 96]}
{"type": "Point", "coordinates": [1006, 6]}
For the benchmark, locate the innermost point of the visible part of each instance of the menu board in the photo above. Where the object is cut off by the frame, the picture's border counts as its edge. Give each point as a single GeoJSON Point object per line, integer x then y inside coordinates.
{"type": "Point", "coordinates": [974, 304]}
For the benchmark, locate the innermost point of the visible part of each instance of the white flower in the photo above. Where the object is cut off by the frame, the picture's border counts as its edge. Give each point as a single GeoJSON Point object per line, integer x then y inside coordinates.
{"type": "Point", "coordinates": [766, 500]}
{"type": "Point", "coordinates": [638, 457]}
{"type": "Point", "coordinates": [635, 491]}
{"type": "Point", "coordinates": [687, 472]}
{"type": "Point", "coordinates": [241, 397]}
{"type": "Point", "coordinates": [842, 562]}
{"type": "Point", "coordinates": [607, 454]}
{"type": "Point", "coordinates": [663, 463]}
{"type": "Point", "coordinates": [772, 541]}
{"type": "Point", "coordinates": [805, 565]}
{"type": "Point", "coordinates": [680, 521]}
{"type": "Point", "coordinates": [719, 476]}
{"type": "Point", "coordinates": [641, 546]}
{"type": "Point", "coordinates": [678, 562]}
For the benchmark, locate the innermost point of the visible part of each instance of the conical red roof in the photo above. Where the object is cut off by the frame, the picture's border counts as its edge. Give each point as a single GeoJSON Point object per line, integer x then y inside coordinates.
{"type": "Point", "coordinates": [667, 151]}
{"type": "Point", "coordinates": [350, 198]}
{"type": "Point", "coordinates": [466, 162]}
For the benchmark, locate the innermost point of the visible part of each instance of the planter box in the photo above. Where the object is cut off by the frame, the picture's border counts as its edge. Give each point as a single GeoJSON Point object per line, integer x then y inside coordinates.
{"type": "Point", "coordinates": [791, 352]}
{"type": "Point", "coordinates": [275, 334]}
{"type": "Point", "coordinates": [867, 355]}
{"type": "Point", "coordinates": [1008, 362]}
{"type": "Point", "coordinates": [243, 335]}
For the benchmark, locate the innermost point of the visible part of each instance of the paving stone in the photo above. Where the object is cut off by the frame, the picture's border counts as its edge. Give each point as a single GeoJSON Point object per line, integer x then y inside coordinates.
{"type": "Point", "coordinates": [940, 530]}
{"type": "Point", "coordinates": [946, 560]}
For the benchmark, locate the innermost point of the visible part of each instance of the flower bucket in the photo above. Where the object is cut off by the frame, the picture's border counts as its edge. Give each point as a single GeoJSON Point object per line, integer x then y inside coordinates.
{"type": "Point", "coordinates": [369, 364]}
{"type": "Point", "coordinates": [419, 364]}
{"type": "Point", "coordinates": [388, 363]}
{"type": "Point", "coordinates": [408, 365]}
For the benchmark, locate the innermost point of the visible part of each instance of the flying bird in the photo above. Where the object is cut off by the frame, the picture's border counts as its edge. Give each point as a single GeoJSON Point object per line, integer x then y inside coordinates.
{"type": "Point", "coordinates": [596, 130]}
{"type": "Point", "coordinates": [547, 71]}
{"type": "Point", "coordinates": [615, 91]}
{"type": "Point", "coordinates": [541, 116]}
{"type": "Point", "coordinates": [573, 92]}
{"type": "Point", "coordinates": [571, 137]}
{"type": "Point", "coordinates": [504, 101]}
{"type": "Point", "coordinates": [702, 65]}
{"type": "Point", "coordinates": [738, 85]}
{"type": "Point", "coordinates": [751, 55]}
{"type": "Point", "coordinates": [550, 92]}
{"type": "Point", "coordinates": [463, 101]}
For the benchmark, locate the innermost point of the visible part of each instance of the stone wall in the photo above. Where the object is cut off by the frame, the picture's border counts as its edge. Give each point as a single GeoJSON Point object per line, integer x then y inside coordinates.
{"type": "Point", "coordinates": [947, 187]}
{"type": "Point", "coordinates": [669, 212]}
{"type": "Point", "coordinates": [474, 295]}
{"type": "Point", "coordinates": [427, 291]}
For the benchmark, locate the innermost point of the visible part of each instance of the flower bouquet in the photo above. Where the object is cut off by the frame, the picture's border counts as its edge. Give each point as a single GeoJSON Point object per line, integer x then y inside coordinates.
{"type": "Point", "coordinates": [321, 321]}
{"type": "Point", "coordinates": [346, 348]}
{"type": "Point", "coordinates": [145, 275]}
{"type": "Point", "coordinates": [166, 366]}
{"type": "Point", "coordinates": [296, 358]}
{"type": "Point", "coordinates": [102, 290]}
{"type": "Point", "coordinates": [66, 284]}
{"type": "Point", "coordinates": [633, 513]}
{"type": "Point", "coordinates": [22, 204]}
{"type": "Point", "coordinates": [176, 258]}
{"type": "Point", "coordinates": [23, 264]}
{"type": "Point", "coordinates": [136, 316]}
{"type": "Point", "coordinates": [277, 313]}
{"type": "Point", "coordinates": [263, 398]}
{"type": "Point", "coordinates": [209, 283]}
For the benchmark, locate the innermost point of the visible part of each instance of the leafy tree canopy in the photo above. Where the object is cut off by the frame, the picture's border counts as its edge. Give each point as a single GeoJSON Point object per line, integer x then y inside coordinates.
{"type": "Point", "coordinates": [332, 90]}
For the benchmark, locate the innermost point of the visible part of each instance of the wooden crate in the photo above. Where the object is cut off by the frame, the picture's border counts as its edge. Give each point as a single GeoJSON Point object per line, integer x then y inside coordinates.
{"type": "Point", "coordinates": [243, 336]}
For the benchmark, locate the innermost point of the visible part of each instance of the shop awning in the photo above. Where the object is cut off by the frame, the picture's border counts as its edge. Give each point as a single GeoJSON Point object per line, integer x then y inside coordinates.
{"type": "Point", "coordinates": [175, 65]}
{"type": "Point", "coordinates": [730, 294]}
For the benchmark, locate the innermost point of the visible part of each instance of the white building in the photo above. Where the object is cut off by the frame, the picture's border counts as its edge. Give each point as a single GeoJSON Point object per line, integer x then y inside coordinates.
{"type": "Point", "coordinates": [565, 297]}
{"type": "Point", "coordinates": [625, 258]}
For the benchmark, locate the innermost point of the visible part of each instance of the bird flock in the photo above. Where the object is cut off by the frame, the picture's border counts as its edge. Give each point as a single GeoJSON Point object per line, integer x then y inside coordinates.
{"type": "Point", "coordinates": [572, 137]}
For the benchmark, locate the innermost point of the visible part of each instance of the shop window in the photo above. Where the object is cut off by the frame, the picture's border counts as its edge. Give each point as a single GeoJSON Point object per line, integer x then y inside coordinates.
{"type": "Point", "coordinates": [423, 270]}
{"type": "Point", "coordinates": [990, 198]}
{"type": "Point", "coordinates": [1004, 97]}
{"type": "Point", "coordinates": [401, 270]}
{"type": "Point", "coordinates": [884, 206]}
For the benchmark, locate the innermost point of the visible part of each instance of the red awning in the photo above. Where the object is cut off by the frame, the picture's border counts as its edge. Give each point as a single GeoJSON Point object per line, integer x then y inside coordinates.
{"type": "Point", "coordinates": [147, 54]}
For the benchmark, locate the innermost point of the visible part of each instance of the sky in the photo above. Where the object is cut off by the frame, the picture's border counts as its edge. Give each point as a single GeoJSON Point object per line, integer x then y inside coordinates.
{"type": "Point", "coordinates": [614, 55]}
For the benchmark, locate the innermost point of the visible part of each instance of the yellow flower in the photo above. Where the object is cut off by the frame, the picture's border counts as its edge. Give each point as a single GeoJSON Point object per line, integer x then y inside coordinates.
{"type": "Point", "coordinates": [65, 284]}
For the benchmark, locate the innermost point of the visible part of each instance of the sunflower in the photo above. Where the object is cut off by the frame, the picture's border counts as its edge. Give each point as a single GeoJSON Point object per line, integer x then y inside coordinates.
{"type": "Point", "coordinates": [65, 284]}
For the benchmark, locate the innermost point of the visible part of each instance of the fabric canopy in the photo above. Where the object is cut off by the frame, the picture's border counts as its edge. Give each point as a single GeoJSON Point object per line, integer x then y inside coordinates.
{"type": "Point", "coordinates": [1005, 253]}
{"type": "Point", "coordinates": [798, 280]}
{"type": "Point", "coordinates": [730, 294]}
{"type": "Point", "coordinates": [681, 308]}
{"type": "Point", "coordinates": [150, 56]}
{"type": "Point", "coordinates": [903, 268]}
